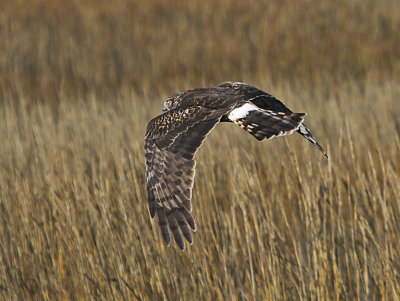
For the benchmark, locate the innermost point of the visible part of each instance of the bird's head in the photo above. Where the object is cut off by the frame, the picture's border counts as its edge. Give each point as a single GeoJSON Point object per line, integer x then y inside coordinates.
{"type": "Point", "coordinates": [171, 102]}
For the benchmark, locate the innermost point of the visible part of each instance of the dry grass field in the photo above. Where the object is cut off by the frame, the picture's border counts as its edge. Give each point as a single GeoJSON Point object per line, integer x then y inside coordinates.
{"type": "Point", "coordinates": [79, 80]}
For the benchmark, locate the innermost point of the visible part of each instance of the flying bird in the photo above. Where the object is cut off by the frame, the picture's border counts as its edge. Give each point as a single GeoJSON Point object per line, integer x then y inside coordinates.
{"type": "Point", "coordinates": [173, 138]}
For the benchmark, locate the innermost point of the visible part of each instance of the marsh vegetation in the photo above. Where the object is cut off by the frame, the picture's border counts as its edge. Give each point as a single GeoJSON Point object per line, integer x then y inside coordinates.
{"type": "Point", "coordinates": [80, 80]}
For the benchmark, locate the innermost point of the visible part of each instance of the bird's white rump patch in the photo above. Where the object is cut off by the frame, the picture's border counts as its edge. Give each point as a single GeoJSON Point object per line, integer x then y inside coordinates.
{"type": "Point", "coordinates": [242, 111]}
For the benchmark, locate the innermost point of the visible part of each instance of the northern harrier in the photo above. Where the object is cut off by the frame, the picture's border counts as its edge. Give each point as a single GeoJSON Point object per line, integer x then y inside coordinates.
{"type": "Point", "coordinates": [173, 138]}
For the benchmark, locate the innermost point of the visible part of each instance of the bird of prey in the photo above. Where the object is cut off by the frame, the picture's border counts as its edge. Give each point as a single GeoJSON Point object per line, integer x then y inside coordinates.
{"type": "Point", "coordinates": [173, 138]}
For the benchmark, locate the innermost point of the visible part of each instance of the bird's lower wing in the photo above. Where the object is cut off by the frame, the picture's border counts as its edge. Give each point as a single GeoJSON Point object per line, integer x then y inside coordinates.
{"type": "Point", "coordinates": [265, 124]}
{"type": "Point", "coordinates": [172, 140]}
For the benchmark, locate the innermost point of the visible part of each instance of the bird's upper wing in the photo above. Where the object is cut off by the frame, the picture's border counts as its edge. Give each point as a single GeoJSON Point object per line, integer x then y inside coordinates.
{"type": "Point", "coordinates": [265, 123]}
{"type": "Point", "coordinates": [275, 118]}
{"type": "Point", "coordinates": [171, 142]}
{"type": "Point", "coordinates": [262, 115]}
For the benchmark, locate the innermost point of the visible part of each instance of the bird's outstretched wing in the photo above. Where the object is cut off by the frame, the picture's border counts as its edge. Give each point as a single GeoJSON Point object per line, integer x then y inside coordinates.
{"type": "Point", "coordinates": [265, 123]}
{"type": "Point", "coordinates": [171, 142]}
{"type": "Point", "coordinates": [272, 107]}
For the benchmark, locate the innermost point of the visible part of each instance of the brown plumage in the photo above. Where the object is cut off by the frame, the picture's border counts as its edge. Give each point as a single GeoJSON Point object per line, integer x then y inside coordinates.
{"type": "Point", "coordinates": [173, 138]}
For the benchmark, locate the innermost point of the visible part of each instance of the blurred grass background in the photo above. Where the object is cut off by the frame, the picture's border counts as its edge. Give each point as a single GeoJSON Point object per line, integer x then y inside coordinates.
{"type": "Point", "coordinates": [79, 81]}
{"type": "Point", "coordinates": [105, 47]}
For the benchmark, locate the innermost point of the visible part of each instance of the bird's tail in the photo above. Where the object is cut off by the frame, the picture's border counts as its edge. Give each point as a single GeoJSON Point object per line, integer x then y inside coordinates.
{"type": "Point", "coordinates": [305, 132]}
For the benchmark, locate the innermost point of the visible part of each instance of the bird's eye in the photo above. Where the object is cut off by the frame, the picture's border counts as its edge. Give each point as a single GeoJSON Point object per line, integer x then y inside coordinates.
{"type": "Point", "coordinates": [167, 105]}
